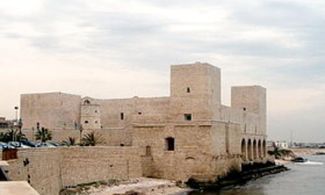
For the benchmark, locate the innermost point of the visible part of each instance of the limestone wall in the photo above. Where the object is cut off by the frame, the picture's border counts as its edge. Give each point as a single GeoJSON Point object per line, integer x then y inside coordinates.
{"type": "Point", "coordinates": [50, 110]}
{"type": "Point", "coordinates": [198, 149]}
{"type": "Point", "coordinates": [195, 90]}
{"type": "Point", "coordinates": [207, 134]}
{"type": "Point", "coordinates": [86, 164]}
{"type": "Point", "coordinates": [50, 169]}
{"type": "Point", "coordinates": [251, 99]}
{"type": "Point", "coordinates": [249, 122]}
{"type": "Point", "coordinates": [41, 169]}
{"type": "Point", "coordinates": [90, 116]}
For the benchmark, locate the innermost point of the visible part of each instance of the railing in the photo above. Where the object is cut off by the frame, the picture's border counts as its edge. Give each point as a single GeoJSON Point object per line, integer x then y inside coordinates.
{"type": "Point", "coordinates": [8, 154]}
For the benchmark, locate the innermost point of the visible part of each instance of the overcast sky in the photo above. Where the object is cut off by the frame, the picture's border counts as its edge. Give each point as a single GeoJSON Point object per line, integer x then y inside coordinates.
{"type": "Point", "coordinates": [116, 49]}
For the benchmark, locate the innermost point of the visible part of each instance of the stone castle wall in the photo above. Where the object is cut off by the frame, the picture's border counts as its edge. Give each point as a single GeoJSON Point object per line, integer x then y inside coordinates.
{"type": "Point", "coordinates": [195, 145]}
{"type": "Point", "coordinates": [50, 110]}
{"type": "Point", "coordinates": [195, 89]}
{"type": "Point", "coordinates": [50, 169]}
{"type": "Point", "coordinates": [209, 138]}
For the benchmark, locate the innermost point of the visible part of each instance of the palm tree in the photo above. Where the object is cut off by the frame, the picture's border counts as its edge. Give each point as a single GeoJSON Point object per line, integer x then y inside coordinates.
{"type": "Point", "coordinates": [12, 135]}
{"type": "Point", "coordinates": [71, 141]}
{"type": "Point", "coordinates": [3, 137]}
{"type": "Point", "coordinates": [43, 134]}
{"type": "Point", "coordinates": [91, 139]}
{"type": "Point", "coordinates": [20, 136]}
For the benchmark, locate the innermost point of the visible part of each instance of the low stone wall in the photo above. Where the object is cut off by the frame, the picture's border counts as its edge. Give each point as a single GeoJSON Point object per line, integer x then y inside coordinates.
{"type": "Point", "coordinates": [86, 164]}
{"type": "Point", "coordinates": [50, 169]}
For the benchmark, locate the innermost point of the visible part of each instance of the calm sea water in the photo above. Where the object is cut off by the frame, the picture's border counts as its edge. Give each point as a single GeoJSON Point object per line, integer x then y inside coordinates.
{"type": "Point", "coordinates": [307, 178]}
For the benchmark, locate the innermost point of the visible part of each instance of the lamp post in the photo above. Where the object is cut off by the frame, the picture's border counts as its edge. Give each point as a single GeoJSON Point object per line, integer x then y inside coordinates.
{"type": "Point", "coordinates": [80, 136]}
{"type": "Point", "coordinates": [16, 110]}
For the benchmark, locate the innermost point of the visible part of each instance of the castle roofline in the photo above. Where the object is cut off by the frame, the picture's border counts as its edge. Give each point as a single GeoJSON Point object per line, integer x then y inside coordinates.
{"type": "Point", "coordinates": [248, 86]}
{"type": "Point", "coordinates": [193, 64]}
{"type": "Point", "coordinates": [49, 93]}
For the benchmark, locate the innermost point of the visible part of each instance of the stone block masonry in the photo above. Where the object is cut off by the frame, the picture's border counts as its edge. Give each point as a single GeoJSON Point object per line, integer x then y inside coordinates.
{"type": "Point", "coordinates": [49, 170]}
{"type": "Point", "coordinates": [184, 135]}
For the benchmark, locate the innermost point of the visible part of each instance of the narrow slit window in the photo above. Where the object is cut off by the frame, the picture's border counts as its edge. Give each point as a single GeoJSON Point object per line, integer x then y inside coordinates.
{"type": "Point", "coordinates": [188, 117]}
{"type": "Point", "coordinates": [188, 90]}
{"type": "Point", "coordinates": [148, 150]}
{"type": "Point", "coordinates": [122, 116]}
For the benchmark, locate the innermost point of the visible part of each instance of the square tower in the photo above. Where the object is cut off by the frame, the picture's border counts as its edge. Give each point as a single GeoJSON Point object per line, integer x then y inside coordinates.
{"type": "Point", "coordinates": [195, 91]}
{"type": "Point", "coordinates": [251, 99]}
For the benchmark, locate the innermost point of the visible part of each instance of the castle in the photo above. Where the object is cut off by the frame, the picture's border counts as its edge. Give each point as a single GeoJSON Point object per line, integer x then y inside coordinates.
{"type": "Point", "coordinates": [189, 134]}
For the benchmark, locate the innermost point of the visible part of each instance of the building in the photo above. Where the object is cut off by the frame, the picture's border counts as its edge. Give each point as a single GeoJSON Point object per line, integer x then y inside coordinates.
{"type": "Point", "coordinates": [189, 134]}
{"type": "Point", "coordinates": [5, 124]}
{"type": "Point", "coordinates": [282, 144]}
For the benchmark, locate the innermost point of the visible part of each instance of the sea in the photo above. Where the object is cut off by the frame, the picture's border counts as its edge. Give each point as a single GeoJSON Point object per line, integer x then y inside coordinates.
{"type": "Point", "coordinates": [302, 178]}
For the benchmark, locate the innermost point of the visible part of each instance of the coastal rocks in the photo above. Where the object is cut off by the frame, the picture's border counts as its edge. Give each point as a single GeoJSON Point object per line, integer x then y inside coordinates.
{"type": "Point", "coordinates": [249, 172]}
{"type": "Point", "coordinates": [131, 192]}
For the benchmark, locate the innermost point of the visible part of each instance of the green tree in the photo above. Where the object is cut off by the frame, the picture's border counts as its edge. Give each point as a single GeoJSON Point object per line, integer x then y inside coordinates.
{"type": "Point", "coordinates": [12, 135]}
{"type": "Point", "coordinates": [71, 141]}
{"type": "Point", "coordinates": [92, 139]}
{"type": "Point", "coordinates": [2, 137]}
{"type": "Point", "coordinates": [281, 153]}
{"type": "Point", "coordinates": [43, 134]}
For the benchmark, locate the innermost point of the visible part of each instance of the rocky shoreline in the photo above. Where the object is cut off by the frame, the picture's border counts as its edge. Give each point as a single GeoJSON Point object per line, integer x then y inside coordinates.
{"type": "Point", "coordinates": [143, 186]}
{"type": "Point", "coordinates": [249, 172]}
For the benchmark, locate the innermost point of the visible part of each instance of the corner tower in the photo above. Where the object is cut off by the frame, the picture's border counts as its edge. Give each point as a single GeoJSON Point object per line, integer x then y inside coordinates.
{"type": "Point", "coordinates": [195, 91]}
{"type": "Point", "coordinates": [90, 114]}
{"type": "Point", "coordinates": [251, 99]}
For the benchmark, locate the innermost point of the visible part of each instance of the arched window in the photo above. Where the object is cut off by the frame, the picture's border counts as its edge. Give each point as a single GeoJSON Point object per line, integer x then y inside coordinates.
{"type": "Point", "coordinates": [249, 150]}
{"type": "Point", "coordinates": [254, 149]}
{"type": "Point", "coordinates": [264, 148]}
{"type": "Point", "coordinates": [86, 102]}
{"type": "Point", "coordinates": [259, 148]}
{"type": "Point", "coordinates": [170, 143]}
{"type": "Point", "coordinates": [243, 149]}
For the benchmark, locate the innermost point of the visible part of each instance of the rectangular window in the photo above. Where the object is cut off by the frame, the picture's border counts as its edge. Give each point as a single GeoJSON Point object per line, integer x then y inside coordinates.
{"type": "Point", "coordinates": [188, 117]}
{"type": "Point", "coordinates": [122, 116]}
{"type": "Point", "coordinates": [170, 143]}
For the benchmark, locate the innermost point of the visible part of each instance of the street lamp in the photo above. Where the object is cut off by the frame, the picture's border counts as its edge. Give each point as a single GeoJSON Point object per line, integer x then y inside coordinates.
{"type": "Point", "coordinates": [16, 109]}
{"type": "Point", "coordinates": [80, 129]}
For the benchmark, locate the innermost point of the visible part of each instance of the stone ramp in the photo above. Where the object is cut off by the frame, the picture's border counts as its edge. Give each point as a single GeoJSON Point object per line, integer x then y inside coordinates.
{"type": "Point", "coordinates": [16, 188]}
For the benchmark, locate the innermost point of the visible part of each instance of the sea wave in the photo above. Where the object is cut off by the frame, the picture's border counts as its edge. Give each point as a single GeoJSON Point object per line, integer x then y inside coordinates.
{"type": "Point", "coordinates": [310, 163]}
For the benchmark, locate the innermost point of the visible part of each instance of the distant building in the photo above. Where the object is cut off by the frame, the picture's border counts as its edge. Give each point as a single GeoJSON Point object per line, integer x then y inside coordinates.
{"type": "Point", "coordinates": [282, 144]}
{"type": "Point", "coordinates": [5, 124]}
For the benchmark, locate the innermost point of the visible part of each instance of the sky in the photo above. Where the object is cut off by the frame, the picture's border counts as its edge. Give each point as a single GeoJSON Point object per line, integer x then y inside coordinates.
{"type": "Point", "coordinates": [121, 49]}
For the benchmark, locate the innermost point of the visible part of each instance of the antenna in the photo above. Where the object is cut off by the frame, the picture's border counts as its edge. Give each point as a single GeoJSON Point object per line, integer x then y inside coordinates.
{"type": "Point", "coordinates": [291, 138]}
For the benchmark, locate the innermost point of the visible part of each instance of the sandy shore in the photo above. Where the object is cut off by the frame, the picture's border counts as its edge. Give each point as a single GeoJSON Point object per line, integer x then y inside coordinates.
{"type": "Point", "coordinates": [281, 162]}
{"type": "Point", "coordinates": [140, 186]}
